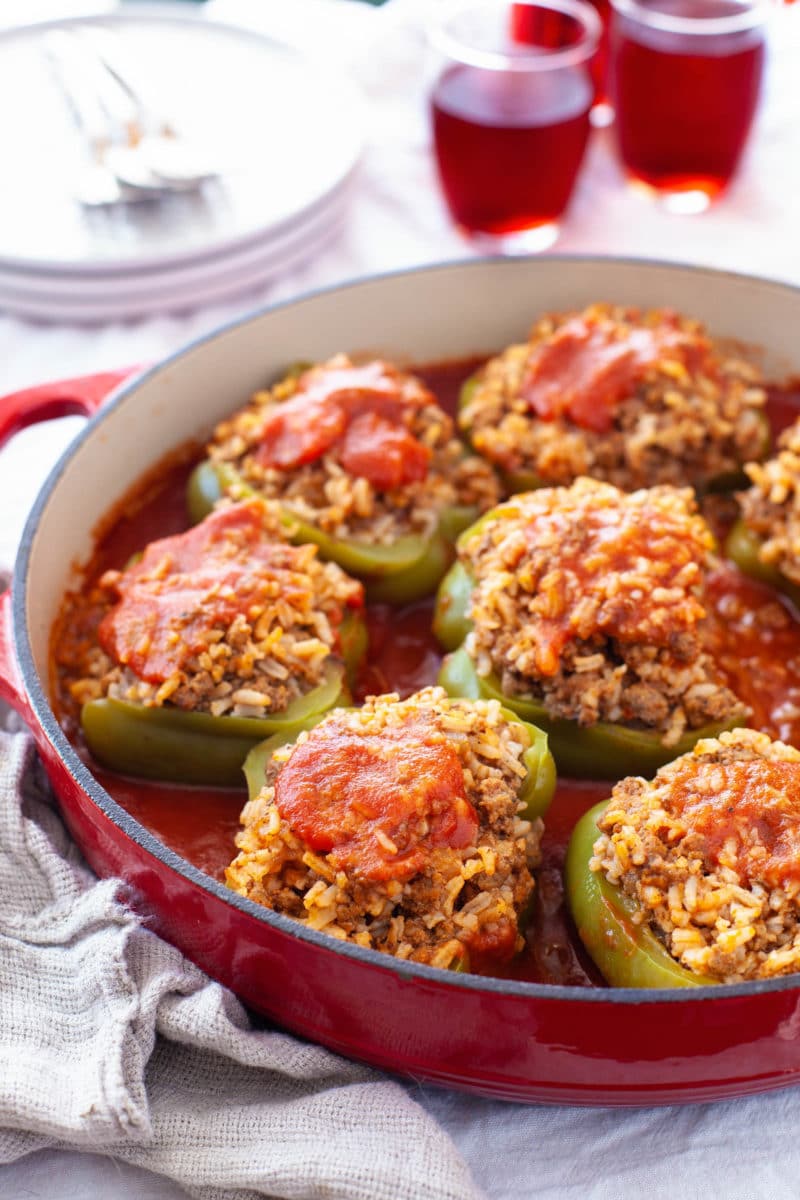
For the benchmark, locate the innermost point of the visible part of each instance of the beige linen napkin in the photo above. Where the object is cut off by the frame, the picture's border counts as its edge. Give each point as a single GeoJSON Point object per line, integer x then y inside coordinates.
{"type": "Point", "coordinates": [111, 1041]}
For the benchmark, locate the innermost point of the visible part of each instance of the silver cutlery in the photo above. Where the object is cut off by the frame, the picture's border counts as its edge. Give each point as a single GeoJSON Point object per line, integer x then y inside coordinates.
{"type": "Point", "coordinates": [133, 151]}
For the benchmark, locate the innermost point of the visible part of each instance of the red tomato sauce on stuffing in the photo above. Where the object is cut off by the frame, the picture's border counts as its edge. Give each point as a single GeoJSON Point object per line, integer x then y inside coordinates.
{"type": "Point", "coordinates": [356, 413]}
{"type": "Point", "coordinates": [585, 370]}
{"type": "Point", "coordinates": [599, 548]}
{"type": "Point", "coordinates": [377, 803]}
{"type": "Point", "coordinates": [760, 659]}
{"type": "Point", "coordinates": [186, 585]}
{"type": "Point", "coordinates": [748, 810]}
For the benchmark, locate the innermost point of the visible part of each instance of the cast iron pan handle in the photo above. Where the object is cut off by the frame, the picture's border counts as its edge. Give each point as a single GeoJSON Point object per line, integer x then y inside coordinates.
{"type": "Point", "coordinates": [17, 410]}
{"type": "Point", "coordinates": [62, 399]}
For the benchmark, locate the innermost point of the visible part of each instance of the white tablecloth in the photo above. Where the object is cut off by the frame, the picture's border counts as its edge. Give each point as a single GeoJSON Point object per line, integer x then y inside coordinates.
{"type": "Point", "coordinates": [735, 1149]}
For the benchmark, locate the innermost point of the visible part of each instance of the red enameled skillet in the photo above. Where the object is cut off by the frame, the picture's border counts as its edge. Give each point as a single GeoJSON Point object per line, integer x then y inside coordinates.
{"type": "Point", "coordinates": [522, 1041]}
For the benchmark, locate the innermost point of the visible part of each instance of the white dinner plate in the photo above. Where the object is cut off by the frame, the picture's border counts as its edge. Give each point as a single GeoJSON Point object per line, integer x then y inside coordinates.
{"type": "Point", "coordinates": [78, 288]}
{"type": "Point", "coordinates": [177, 296]}
{"type": "Point", "coordinates": [287, 131]}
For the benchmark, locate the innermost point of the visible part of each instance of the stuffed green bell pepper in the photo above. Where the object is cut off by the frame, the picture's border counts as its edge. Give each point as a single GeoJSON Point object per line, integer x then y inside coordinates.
{"type": "Point", "coordinates": [765, 542]}
{"type": "Point", "coordinates": [692, 877]}
{"type": "Point", "coordinates": [626, 952]}
{"type": "Point", "coordinates": [629, 397]}
{"type": "Point", "coordinates": [362, 462]}
{"type": "Point", "coordinates": [212, 640]}
{"type": "Point", "coordinates": [557, 607]}
{"type": "Point", "coordinates": [745, 548]}
{"type": "Point", "coordinates": [407, 826]}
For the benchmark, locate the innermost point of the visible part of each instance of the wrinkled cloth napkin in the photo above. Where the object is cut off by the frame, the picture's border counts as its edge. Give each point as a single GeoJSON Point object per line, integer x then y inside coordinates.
{"type": "Point", "coordinates": [110, 1040]}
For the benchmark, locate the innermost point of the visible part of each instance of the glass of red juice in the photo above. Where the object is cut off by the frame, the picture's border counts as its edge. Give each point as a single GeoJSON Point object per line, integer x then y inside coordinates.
{"type": "Point", "coordinates": [525, 24]}
{"type": "Point", "coordinates": [510, 116]}
{"type": "Point", "coordinates": [685, 78]}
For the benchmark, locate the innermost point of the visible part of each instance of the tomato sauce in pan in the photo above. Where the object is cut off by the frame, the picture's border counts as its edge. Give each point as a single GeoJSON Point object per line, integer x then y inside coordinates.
{"type": "Point", "coordinates": [754, 634]}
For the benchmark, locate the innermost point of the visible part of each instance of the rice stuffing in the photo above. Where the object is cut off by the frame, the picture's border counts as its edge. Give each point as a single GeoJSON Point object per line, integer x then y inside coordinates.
{"type": "Point", "coordinates": [399, 827]}
{"type": "Point", "coordinates": [362, 452]}
{"type": "Point", "coordinates": [223, 619]}
{"type": "Point", "coordinates": [710, 852]}
{"type": "Point", "coordinates": [771, 506]}
{"type": "Point", "coordinates": [632, 398]}
{"type": "Point", "coordinates": [591, 600]}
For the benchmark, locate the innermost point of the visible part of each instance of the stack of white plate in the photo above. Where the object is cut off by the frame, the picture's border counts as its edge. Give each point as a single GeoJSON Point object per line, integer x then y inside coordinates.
{"type": "Point", "coordinates": [286, 133]}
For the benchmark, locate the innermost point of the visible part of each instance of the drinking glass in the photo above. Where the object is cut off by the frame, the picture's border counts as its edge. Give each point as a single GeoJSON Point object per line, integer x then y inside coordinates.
{"type": "Point", "coordinates": [510, 111]}
{"type": "Point", "coordinates": [685, 77]}
{"type": "Point", "coordinates": [526, 27]}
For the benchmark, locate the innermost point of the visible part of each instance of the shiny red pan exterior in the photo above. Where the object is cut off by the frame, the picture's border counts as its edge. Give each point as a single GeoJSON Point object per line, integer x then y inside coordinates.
{"type": "Point", "coordinates": [521, 1041]}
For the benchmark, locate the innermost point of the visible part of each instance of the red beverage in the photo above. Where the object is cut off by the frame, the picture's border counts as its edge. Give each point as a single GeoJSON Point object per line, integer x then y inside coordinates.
{"type": "Point", "coordinates": [528, 27]}
{"type": "Point", "coordinates": [600, 60]}
{"type": "Point", "coordinates": [684, 101]}
{"type": "Point", "coordinates": [509, 145]}
{"type": "Point", "coordinates": [510, 114]}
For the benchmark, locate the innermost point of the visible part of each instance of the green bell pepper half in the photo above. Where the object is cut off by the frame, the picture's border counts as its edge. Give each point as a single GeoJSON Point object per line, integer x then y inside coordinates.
{"type": "Point", "coordinates": [535, 794]}
{"type": "Point", "coordinates": [526, 480]}
{"type": "Point", "coordinates": [460, 963]}
{"type": "Point", "coordinates": [257, 761]}
{"type": "Point", "coordinates": [743, 547]}
{"type": "Point", "coordinates": [451, 624]}
{"type": "Point", "coordinates": [732, 481]}
{"type": "Point", "coordinates": [353, 641]}
{"type": "Point", "coordinates": [600, 751]}
{"type": "Point", "coordinates": [405, 570]}
{"type": "Point", "coordinates": [178, 746]}
{"type": "Point", "coordinates": [540, 782]}
{"type": "Point", "coordinates": [627, 955]}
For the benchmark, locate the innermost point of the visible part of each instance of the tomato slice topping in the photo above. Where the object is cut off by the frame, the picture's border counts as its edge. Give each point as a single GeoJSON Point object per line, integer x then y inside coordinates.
{"type": "Point", "coordinates": [590, 365]}
{"type": "Point", "coordinates": [385, 454]}
{"type": "Point", "coordinates": [300, 431]}
{"type": "Point", "coordinates": [356, 413]}
{"type": "Point", "coordinates": [377, 803]}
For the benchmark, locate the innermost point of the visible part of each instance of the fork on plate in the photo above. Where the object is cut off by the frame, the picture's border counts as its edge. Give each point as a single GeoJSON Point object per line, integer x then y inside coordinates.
{"type": "Point", "coordinates": [134, 151]}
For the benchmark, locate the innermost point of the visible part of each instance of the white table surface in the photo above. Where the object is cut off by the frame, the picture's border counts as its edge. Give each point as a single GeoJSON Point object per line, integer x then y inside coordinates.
{"type": "Point", "coordinates": [734, 1149]}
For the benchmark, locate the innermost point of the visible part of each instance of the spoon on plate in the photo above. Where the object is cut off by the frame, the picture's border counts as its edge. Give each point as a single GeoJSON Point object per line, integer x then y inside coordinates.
{"type": "Point", "coordinates": [133, 152]}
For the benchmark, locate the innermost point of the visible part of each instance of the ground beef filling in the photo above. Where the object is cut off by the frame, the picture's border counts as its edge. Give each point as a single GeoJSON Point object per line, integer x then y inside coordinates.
{"type": "Point", "coordinates": [220, 619]}
{"type": "Point", "coordinates": [633, 398]}
{"type": "Point", "coordinates": [362, 452]}
{"type": "Point", "coordinates": [710, 850]}
{"type": "Point", "coordinates": [397, 826]}
{"type": "Point", "coordinates": [771, 507]}
{"type": "Point", "coordinates": [590, 599]}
